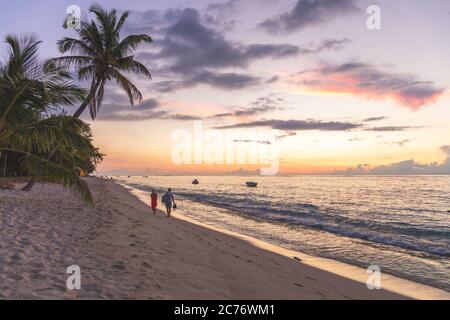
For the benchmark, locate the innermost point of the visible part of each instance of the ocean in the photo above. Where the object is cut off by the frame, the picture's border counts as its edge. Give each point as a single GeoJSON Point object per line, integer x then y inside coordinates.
{"type": "Point", "coordinates": [400, 223]}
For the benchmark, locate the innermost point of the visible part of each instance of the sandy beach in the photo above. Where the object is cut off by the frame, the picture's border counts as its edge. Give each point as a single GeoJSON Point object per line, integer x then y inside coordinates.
{"type": "Point", "coordinates": [125, 252]}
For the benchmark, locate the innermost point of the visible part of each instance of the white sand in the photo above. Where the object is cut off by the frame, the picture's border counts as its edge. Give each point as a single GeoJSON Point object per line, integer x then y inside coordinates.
{"type": "Point", "coordinates": [127, 253]}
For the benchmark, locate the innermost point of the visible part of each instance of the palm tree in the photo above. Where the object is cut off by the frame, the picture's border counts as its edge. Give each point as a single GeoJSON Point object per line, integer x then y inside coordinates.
{"type": "Point", "coordinates": [100, 55]}
{"type": "Point", "coordinates": [49, 146]}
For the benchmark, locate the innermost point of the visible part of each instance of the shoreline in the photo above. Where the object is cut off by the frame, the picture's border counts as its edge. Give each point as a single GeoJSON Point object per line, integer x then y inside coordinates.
{"type": "Point", "coordinates": [406, 287]}
{"type": "Point", "coordinates": [125, 252]}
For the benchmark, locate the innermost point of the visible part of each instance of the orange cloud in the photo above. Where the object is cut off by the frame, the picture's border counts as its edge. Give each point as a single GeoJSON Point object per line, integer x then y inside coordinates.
{"type": "Point", "coordinates": [365, 80]}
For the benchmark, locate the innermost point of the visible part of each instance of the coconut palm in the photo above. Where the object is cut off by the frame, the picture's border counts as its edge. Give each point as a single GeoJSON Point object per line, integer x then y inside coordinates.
{"type": "Point", "coordinates": [99, 55]}
{"type": "Point", "coordinates": [48, 146]}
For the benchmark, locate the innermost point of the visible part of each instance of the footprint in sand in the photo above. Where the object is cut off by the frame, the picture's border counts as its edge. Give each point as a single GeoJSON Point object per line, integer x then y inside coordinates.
{"type": "Point", "coordinates": [321, 294]}
{"type": "Point", "coordinates": [16, 277]}
{"type": "Point", "coordinates": [312, 279]}
{"type": "Point", "coordinates": [119, 266]}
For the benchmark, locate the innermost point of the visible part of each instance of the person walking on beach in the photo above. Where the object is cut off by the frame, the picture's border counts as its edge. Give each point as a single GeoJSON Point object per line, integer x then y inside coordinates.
{"type": "Point", "coordinates": [168, 199]}
{"type": "Point", "coordinates": [154, 198]}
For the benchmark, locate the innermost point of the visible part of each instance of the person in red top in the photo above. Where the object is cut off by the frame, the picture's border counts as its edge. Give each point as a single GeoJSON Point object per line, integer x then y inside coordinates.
{"type": "Point", "coordinates": [154, 197]}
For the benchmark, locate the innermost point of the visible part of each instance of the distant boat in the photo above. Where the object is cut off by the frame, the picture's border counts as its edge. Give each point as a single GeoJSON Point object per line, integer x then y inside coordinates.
{"type": "Point", "coordinates": [252, 184]}
{"type": "Point", "coordinates": [195, 182]}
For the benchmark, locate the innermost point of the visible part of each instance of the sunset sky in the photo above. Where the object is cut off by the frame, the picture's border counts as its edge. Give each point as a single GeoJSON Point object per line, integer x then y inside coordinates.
{"type": "Point", "coordinates": [310, 75]}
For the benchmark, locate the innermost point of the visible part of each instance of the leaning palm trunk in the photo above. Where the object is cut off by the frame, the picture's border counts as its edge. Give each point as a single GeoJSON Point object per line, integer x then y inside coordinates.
{"type": "Point", "coordinates": [82, 108]}
{"type": "Point", "coordinates": [33, 179]}
{"type": "Point", "coordinates": [30, 184]}
{"type": "Point", "coordinates": [88, 101]}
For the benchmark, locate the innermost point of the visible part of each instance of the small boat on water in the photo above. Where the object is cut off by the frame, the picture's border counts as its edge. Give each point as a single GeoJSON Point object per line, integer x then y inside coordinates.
{"type": "Point", "coordinates": [252, 184]}
{"type": "Point", "coordinates": [195, 182]}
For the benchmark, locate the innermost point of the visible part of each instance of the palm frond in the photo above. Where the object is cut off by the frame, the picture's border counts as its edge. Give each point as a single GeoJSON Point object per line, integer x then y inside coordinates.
{"type": "Point", "coordinates": [100, 54]}
{"type": "Point", "coordinates": [131, 43]}
{"type": "Point", "coordinates": [54, 132]}
{"type": "Point", "coordinates": [42, 167]}
{"type": "Point", "coordinates": [128, 64]}
{"type": "Point", "coordinates": [75, 46]}
{"type": "Point", "coordinates": [74, 62]}
{"type": "Point", "coordinates": [130, 89]}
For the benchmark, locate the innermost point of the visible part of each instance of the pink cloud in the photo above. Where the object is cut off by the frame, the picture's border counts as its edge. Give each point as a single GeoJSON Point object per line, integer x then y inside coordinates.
{"type": "Point", "coordinates": [365, 80]}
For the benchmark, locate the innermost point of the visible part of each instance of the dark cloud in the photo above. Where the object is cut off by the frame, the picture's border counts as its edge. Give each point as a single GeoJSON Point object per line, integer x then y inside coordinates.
{"type": "Point", "coordinates": [253, 141]}
{"type": "Point", "coordinates": [180, 117]}
{"type": "Point", "coordinates": [327, 44]}
{"type": "Point", "coordinates": [151, 22]}
{"type": "Point", "coordinates": [149, 109]}
{"type": "Point", "coordinates": [259, 106]}
{"type": "Point", "coordinates": [391, 128]}
{"type": "Point", "coordinates": [221, 15]}
{"type": "Point", "coordinates": [400, 143]}
{"type": "Point", "coordinates": [407, 167]}
{"type": "Point", "coordinates": [221, 8]}
{"type": "Point", "coordinates": [189, 51]}
{"type": "Point", "coordinates": [149, 104]}
{"type": "Point", "coordinates": [244, 112]}
{"type": "Point", "coordinates": [446, 150]}
{"type": "Point", "coordinates": [169, 86]}
{"type": "Point", "coordinates": [272, 79]}
{"type": "Point", "coordinates": [371, 82]}
{"type": "Point", "coordinates": [287, 134]}
{"type": "Point", "coordinates": [296, 125]}
{"type": "Point", "coordinates": [372, 119]}
{"type": "Point", "coordinates": [229, 81]}
{"type": "Point", "coordinates": [356, 139]}
{"type": "Point", "coordinates": [307, 13]}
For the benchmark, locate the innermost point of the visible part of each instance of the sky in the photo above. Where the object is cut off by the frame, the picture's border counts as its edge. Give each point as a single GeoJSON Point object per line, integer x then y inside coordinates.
{"type": "Point", "coordinates": [302, 87]}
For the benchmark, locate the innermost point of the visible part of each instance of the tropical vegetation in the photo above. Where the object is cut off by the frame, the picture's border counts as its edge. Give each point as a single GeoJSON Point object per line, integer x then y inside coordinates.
{"type": "Point", "coordinates": [37, 137]}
